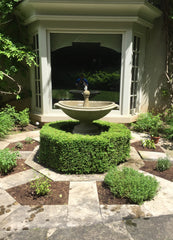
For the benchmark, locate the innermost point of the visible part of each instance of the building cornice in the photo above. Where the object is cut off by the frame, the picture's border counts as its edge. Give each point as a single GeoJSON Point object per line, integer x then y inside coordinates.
{"type": "Point", "coordinates": [139, 11]}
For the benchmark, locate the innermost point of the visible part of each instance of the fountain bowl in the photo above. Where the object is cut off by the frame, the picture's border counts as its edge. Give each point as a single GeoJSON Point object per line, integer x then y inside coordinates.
{"type": "Point", "coordinates": [95, 110]}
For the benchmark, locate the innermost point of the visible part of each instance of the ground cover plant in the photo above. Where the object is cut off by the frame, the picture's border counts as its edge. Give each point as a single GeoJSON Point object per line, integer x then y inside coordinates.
{"type": "Point", "coordinates": [148, 144]}
{"type": "Point", "coordinates": [74, 153]}
{"type": "Point", "coordinates": [129, 183]}
{"type": "Point", "coordinates": [7, 160]}
{"type": "Point", "coordinates": [19, 145]}
{"type": "Point", "coordinates": [163, 164]}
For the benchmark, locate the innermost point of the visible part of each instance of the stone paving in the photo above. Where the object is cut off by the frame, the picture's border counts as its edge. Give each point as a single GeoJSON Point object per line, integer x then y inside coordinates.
{"type": "Point", "coordinates": [83, 217]}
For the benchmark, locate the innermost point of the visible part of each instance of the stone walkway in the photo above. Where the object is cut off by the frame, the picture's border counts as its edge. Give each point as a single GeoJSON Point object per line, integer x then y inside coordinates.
{"type": "Point", "coordinates": [83, 217]}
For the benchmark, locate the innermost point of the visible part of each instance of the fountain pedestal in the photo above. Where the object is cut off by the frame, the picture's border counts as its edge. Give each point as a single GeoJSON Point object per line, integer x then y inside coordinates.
{"type": "Point", "coordinates": [85, 128]}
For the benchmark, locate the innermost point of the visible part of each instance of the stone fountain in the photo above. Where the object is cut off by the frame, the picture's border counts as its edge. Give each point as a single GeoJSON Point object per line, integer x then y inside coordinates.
{"type": "Point", "coordinates": [86, 112]}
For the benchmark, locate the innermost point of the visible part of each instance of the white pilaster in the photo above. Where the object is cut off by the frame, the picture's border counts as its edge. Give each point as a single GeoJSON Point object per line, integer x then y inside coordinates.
{"type": "Point", "coordinates": [45, 71]}
{"type": "Point", "coordinates": [126, 72]}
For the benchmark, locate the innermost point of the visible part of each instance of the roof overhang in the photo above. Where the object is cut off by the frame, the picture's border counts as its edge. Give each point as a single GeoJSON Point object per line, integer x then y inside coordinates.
{"type": "Point", "coordinates": [131, 11]}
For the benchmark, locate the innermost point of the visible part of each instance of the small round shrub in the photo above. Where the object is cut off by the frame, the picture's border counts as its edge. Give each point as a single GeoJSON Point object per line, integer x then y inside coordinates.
{"type": "Point", "coordinates": [7, 160]}
{"type": "Point", "coordinates": [129, 183]}
{"type": "Point", "coordinates": [74, 153]}
{"type": "Point", "coordinates": [41, 186]}
{"type": "Point", "coordinates": [163, 164]}
{"type": "Point", "coordinates": [19, 145]}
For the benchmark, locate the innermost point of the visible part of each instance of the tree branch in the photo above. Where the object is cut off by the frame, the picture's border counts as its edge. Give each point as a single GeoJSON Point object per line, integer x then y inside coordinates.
{"type": "Point", "coordinates": [13, 80]}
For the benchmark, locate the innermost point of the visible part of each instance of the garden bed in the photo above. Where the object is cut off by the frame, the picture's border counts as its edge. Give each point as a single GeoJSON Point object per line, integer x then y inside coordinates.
{"type": "Point", "coordinates": [21, 166]}
{"type": "Point", "coordinates": [25, 146]}
{"type": "Point", "coordinates": [58, 195]}
{"type": "Point", "coordinates": [150, 167]}
{"type": "Point", "coordinates": [138, 146]}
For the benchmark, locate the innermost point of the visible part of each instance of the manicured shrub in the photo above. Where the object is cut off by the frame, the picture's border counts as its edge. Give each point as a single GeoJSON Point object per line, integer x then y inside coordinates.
{"type": "Point", "coordinates": [41, 186]}
{"type": "Point", "coordinates": [147, 122]}
{"type": "Point", "coordinates": [7, 160]}
{"type": "Point", "coordinates": [129, 183]}
{"type": "Point", "coordinates": [163, 164]}
{"type": "Point", "coordinates": [74, 153]}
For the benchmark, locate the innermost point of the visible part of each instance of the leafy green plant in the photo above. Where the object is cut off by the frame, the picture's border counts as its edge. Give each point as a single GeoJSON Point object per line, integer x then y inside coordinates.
{"type": "Point", "coordinates": [148, 144]}
{"type": "Point", "coordinates": [9, 117]}
{"type": "Point", "coordinates": [129, 183]}
{"type": "Point", "coordinates": [7, 160]}
{"type": "Point", "coordinates": [168, 131]}
{"type": "Point", "coordinates": [7, 120]}
{"type": "Point", "coordinates": [147, 122]}
{"type": "Point", "coordinates": [19, 145]}
{"type": "Point", "coordinates": [103, 80]}
{"type": "Point", "coordinates": [75, 153]}
{"type": "Point", "coordinates": [41, 186]}
{"type": "Point", "coordinates": [23, 117]}
{"type": "Point", "coordinates": [163, 164]}
{"type": "Point", "coordinates": [28, 140]}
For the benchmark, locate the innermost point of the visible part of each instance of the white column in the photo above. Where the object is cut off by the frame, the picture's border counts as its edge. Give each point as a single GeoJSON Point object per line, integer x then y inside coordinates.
{"type": "Point", "coordinates": [44, 71]}
{"type": "Point", "coordinates": [126, 72]}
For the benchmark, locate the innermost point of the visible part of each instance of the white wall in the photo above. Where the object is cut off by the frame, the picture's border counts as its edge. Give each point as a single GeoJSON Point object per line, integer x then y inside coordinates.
{"type": "Point", "coordinates": [153, 78]}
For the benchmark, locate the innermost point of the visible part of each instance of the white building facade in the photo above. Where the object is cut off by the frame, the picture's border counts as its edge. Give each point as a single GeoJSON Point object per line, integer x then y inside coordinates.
{"type": "Point", "coordinates": [122, 25]}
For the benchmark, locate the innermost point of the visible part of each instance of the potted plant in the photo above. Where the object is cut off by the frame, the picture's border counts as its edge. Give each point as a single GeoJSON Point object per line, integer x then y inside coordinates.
{"type": "Point", "coordinates": [154, 134]}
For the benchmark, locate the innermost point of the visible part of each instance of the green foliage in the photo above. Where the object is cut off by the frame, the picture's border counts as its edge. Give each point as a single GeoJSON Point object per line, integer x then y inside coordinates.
{"type": "Point", "coordinates": [28, 140]}
{"type": "Point", "coordinates": [147, 122]}
{"type": "Point", "coordinates": [9, 118]}
{"type": "Point", "coordinates": [168, 131]}
{"type": "Point", "coordinates": [168, 116]}
{"type": "Point", "coordinates": [13, 48]}
{"type": "Point", "coordinates": [19, 145]}
{"type": "Point", "coordinates": [168, 120]}
{"type": "Point", "coordinates": [103, 80]}
{"type": "Point", "coordinates": [41, 186]}
{"type": "Point", "coordinates": [23, 117]}
{"type": "Point", "coordinates": [74, 153]}
{"type": "Point", "coordinates": [7, 160]}
{"type": "Point", "coordinates": [163, 164]}
{"type": "Point", "coordinates": [129, 183]}
{"type": "Point", "coordinates": [148, 144]}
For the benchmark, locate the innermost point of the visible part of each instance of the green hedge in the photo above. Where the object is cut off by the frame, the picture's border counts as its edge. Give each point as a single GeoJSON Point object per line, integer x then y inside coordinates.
{"type": "Point", "coordinates": [74, 153]}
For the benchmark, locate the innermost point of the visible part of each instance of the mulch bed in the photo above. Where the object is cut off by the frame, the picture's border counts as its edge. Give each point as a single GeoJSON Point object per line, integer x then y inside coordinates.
{"type": "Point", "coordinates": [26, 196]}
{"type": "Point", "coordinates": [26, 146]}
{"type": "Point", "coordinates": [28, 128]}
{"type": "Point", "coordinates": [138, 146]}
{"type": "Point", "coordinates": [150, 167]}
{"type": "Point", "coordinates": [21, 166]}
{"type": "Point", "coordinates": [106, 197]}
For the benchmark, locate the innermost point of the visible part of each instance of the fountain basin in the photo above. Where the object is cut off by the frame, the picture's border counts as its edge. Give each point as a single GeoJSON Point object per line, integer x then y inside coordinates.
{"type": "Point", "coordinates": [96, 109]}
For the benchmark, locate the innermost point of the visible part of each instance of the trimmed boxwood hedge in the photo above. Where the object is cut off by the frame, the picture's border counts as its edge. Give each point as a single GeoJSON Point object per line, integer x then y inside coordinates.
{"type": "Point", "coordinates": [74, 153]}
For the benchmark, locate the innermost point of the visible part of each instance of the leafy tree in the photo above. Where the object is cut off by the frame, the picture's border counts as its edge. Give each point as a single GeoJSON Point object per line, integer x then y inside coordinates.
{"type": "Point", "coordinates": [13, 49]}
